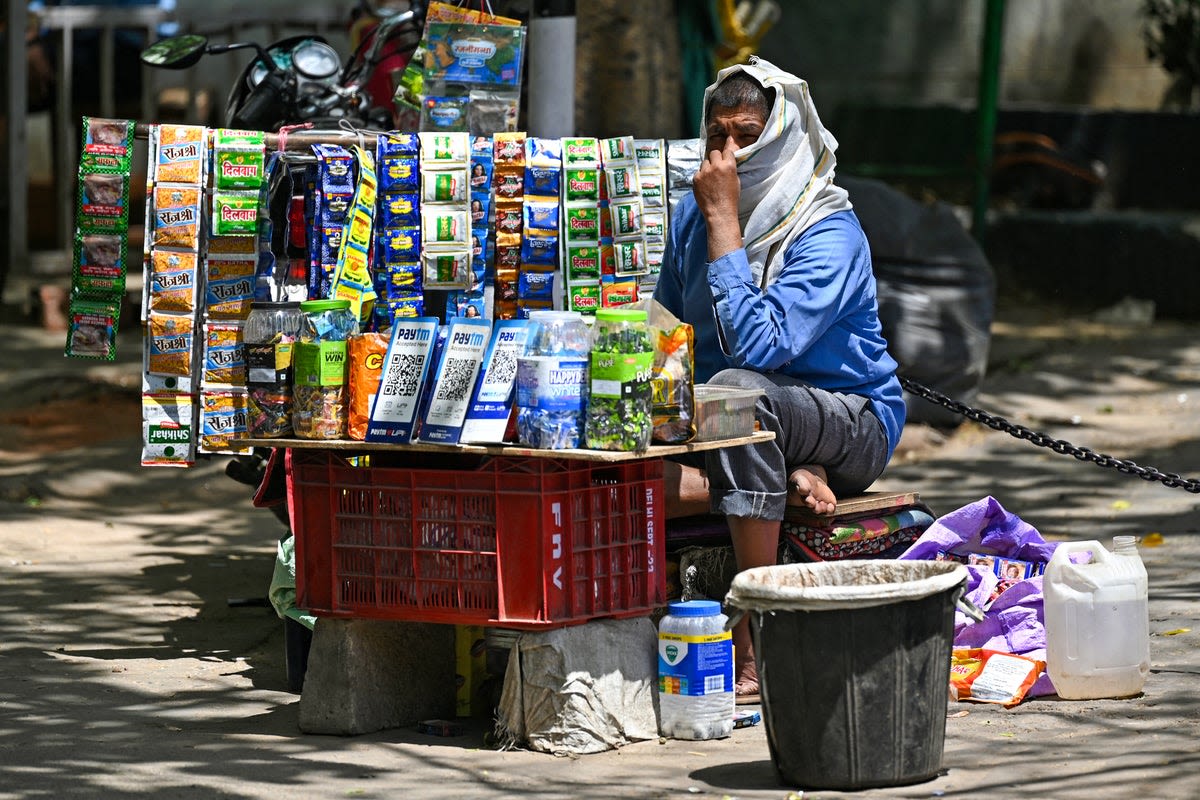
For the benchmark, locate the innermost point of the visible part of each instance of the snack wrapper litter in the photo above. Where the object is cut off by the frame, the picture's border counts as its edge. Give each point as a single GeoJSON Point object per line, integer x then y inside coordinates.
{"type": "Point", "coordinates": [1013, 623]}
{"type": "Point", "coordinates": [988, 676]}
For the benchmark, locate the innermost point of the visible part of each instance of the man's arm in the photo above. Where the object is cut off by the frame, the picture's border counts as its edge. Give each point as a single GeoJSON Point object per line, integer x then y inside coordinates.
{"type": "Point", "coordinates": [764, 330]}
{"type": "Point", "coordinates": [717, 192]}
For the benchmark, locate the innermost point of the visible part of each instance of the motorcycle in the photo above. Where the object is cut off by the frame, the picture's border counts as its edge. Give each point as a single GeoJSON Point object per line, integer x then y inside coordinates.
{"type": "Point", "coordinates": [301, 79]}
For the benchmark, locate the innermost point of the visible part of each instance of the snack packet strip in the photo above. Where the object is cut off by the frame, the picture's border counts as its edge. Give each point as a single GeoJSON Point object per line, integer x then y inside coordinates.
{"type": "Point", "coordinates": [353, 280]}
{"type": "Point", "coordinates": [235, 213]}
{"type": "Point", "coordinates": [173, 277]}
{"type": "Point", "coordinates": [170, 345]}
{"type": "Point", "coordinates": [471, 301]}
{"type": "Point", "coordinates": [107, 145]}
{"type": "Point", "coordinates": [652, 173]}
{"type": "Point", "coordinates": [229, 286]}
{"type": "Point", "coordinates": [617, 291]}
{"type": "Point", "coordinates": [623, 185]}
{"type": "Point", "coordinates": [181, 154]}
{"type": "Point", "coordinates": [332, 196]}
{"type": "Point", "coordinates": [396, 272]}
{"type": "Point", "coordinates": [99, 264]}
{"type": "Point", "coordinates": [583, 296]}
{"type": "Point", "coordinates": [223, 417]}
{"type": "Point", "coordinates": [445, 210]}
{"type": "Point", "coordinates": [103, 201]}
{"type": "Point", "coordinates": [541, 224]}
{"type": "Point", "coordinates": [168, 430]}
{"type": "Point", "coordinates": [224, 363]}
{"type": "Point", "coordinates": [92, 328]}
{"type": "Point", "coordinates": [508, 184]}
{"type": "Point", "coordinates": [238, 159]}
{"type": "Point", "coordinates": [100, 242]}
{"type": "Point", "coordinates": [584, 220]}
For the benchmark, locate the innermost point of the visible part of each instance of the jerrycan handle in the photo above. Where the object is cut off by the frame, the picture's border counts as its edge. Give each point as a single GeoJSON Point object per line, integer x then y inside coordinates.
{"type": "Point", "coordinates": [1063, 552]}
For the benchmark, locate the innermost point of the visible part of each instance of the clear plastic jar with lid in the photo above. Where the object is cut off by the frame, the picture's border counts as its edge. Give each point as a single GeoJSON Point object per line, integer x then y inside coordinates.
{"type": "Point", "coordinates": [552, 381]}
{"type": "Point", "coordinates": [695, 671]}
{"type": "Point", "coordinates": [620, 405]}
{"type": "Point", "coordinates": [319, 372]}
{"type": "Point", "coordinates": [270, 333]}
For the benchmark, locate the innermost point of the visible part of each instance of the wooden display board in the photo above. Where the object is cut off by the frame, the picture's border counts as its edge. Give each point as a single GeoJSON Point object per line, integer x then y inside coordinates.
{"type": "Point", "coordinates": [655, 451]}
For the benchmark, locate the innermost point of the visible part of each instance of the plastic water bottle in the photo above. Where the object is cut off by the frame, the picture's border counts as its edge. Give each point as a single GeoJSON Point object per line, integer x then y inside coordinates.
{"type": "Point", "coordinates": [695, 672]}
{"type": "Point", "coordinates": [1097, 620]}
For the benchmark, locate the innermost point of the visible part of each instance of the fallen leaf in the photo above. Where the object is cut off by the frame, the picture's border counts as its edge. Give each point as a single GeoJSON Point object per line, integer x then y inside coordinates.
{"type": "Point", "coordinates": [1152, 539]}
{"type": "Point", "coordinates": [1176, 632]}
{"type": "Point", "coordinates": [1121, 505]}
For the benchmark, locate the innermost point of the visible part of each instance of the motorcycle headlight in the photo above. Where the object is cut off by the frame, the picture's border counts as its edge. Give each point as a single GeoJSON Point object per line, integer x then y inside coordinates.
{"type": "Point", "coordinates": [316, 60]}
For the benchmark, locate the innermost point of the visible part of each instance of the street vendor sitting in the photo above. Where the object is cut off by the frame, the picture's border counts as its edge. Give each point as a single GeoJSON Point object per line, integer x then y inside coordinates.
{"type": "Point", "coordinates": [768, 263]}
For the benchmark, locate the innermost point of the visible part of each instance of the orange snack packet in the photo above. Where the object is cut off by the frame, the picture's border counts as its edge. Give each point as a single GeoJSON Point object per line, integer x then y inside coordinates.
{"type": "Point", "coordinates": [366, 353]}
{"type": "Point", "coordinates": [991, 676]}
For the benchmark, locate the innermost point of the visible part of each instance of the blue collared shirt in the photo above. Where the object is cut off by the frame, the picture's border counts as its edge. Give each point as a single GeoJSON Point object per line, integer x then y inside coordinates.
{"type": "Point", "coordinates": [818, 321]}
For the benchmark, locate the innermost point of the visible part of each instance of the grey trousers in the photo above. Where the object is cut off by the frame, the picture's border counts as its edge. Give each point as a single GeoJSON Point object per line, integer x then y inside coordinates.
{"type": "Point", "coordinates": [839, 432]}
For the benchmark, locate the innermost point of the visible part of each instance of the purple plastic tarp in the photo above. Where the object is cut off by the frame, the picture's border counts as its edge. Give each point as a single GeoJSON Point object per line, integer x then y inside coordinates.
{"type": "Point", "coordinates": [1013, 623]}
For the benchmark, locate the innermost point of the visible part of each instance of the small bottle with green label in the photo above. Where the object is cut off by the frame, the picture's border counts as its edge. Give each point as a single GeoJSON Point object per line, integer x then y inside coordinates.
{"type": "Point", "coordinates": [620, 403]}
{"type": "Point", "coordinates": [319, 394]}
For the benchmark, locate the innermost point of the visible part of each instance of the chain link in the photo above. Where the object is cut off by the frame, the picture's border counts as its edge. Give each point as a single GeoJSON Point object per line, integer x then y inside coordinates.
{"type": "Point", "coordinates": [1168, 479]}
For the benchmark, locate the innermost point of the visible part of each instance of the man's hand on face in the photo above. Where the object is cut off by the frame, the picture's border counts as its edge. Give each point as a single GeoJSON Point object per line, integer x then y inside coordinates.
{"type": "Point", "coordinates": [717, 191]}
{"type": "Point", "coordinates": [716, 184]}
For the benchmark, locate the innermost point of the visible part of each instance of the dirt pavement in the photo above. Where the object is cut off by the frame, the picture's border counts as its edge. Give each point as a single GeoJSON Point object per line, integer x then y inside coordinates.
{"type": "Point", "coordinates": [126, 672]}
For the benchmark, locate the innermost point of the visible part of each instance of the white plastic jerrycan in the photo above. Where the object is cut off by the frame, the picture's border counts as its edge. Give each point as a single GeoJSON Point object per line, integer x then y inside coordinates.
{"type": "Point", "coordinates": [1097, 620]}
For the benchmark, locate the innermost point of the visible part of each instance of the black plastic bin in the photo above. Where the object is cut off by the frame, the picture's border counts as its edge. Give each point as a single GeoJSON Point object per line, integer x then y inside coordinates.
{"type": "Point", "coordinates": [854, 667]}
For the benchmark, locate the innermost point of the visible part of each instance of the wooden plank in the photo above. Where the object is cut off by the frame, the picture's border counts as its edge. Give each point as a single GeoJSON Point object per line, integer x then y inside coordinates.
{"type": "Point", "coordinates": [868, 501]}
{"type": "Point", "coordinates": [655, 451]}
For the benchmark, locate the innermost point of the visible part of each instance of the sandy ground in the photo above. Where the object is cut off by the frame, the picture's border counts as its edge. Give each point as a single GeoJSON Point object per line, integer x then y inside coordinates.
{"type": "Point", "coordinates": [125, 670]}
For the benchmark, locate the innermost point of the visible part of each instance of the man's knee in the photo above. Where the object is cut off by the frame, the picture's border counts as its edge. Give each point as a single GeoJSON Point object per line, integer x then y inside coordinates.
{"type": "Point", "coordinates": [742, 378]}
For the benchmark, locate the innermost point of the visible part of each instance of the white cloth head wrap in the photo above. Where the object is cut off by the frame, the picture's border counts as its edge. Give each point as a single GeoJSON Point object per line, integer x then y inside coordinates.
{"type": "Point", "coordinates": [787, 175]}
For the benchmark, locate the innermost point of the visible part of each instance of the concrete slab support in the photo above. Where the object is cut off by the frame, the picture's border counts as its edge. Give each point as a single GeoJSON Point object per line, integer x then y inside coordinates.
{"type": "Point", "coordinates": [370, 675]}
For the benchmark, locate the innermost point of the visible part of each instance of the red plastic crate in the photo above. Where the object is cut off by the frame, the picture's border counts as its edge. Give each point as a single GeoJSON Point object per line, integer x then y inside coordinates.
{"type": "Point", "coordinates": [518, 542]}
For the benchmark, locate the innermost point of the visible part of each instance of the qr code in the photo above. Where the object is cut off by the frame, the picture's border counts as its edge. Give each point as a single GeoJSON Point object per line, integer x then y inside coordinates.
{"type": "Point", "coordinates": [404, 375]}
{"type": "Point", "coordinates": [503, 368]}
{"type": "Point", "coordinates": [458, 377]}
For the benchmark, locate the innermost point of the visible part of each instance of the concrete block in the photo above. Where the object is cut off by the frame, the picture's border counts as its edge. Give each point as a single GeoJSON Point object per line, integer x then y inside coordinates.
{"type": "Point", "coordinates": [370, 675]}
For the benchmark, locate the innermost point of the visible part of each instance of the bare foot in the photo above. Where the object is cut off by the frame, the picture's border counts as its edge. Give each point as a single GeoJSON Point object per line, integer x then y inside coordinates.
{"type": "Point", "coordinates": [808, 483]}
{"type": "Point", "coordinates": [745, 681]}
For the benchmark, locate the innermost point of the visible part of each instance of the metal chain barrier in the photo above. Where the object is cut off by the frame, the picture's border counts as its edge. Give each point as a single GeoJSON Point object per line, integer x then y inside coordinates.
{"type": "Point", "coordinates": [994, 422]}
